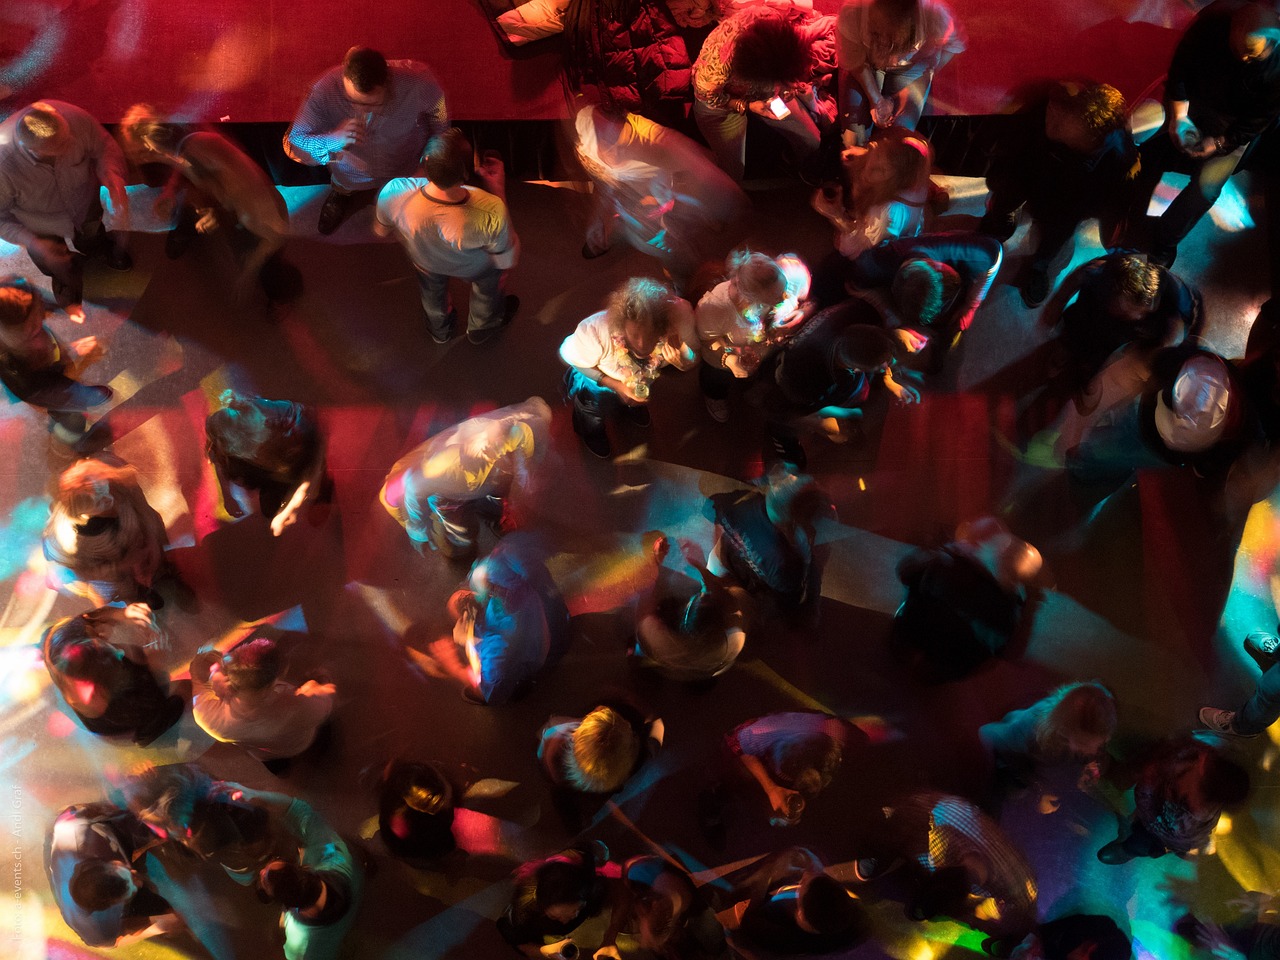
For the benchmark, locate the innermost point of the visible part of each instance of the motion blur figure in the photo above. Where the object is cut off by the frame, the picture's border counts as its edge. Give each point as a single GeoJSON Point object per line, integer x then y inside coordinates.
{"type": "Point", "coordinates": [54, 158]}
{"type": "Point", "coordinates": [215, 188]}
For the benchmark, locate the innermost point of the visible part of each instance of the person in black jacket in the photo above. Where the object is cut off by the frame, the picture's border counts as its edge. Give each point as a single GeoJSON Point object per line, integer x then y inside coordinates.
{"type": "Point", "coordinates": [1068, 157]}
{"type": "Point", "coordinates": [1222, 92]}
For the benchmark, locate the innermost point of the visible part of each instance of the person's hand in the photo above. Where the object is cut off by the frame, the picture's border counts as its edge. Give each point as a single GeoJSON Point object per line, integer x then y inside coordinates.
{"type": "Point", "coordinates": [1207, 147]}
{"type": "Point", "coordinates": [780, 800]}
{"type": "Point", "coordinates": [607, 952]}
{"type": "Point", "coordinates": [761, 109]}
{"type": "Point", "coordinates": [1090, 775]}
{"type": "Point", "coordinates": [1213, 938]}
{"type": "Point", "coordinates": [556, 949]}
{"type": "Point", "coordinates": [883, 112]}
{"type": "Point", "coordinates": [742, 365]}
{"type": "Point", "coordinates": [464, 628]}
{"type": "Point", "coordinates": [208, 221]}
{"type": "Point", "coordinates": [657, 730]}
{"type": "Point", "coordinates": [692, 553]}
{"type": "Point", "coordinates": [661, 547]}
{"type": "Point", "coordinates": [911, 341]}
{"type": "Point", "coordinates": [288, 514]}
{"type": "Point", "coordinates": [628, 394]}
{"type": "Point", "coordinates": [829, 201]}
{"type": "Point", "coordinates": [315, 688]}
{"type": "Point", "coordinates": [139, 613]}
{"type": "Point", "coordinates": [784, 326]}
{"type": "Point", "coordinates": [88, 349]}
{"type": "Point", "coordinates": [671, 353]}
{"type": "Point", "coordinates": [349, 133]}
{"type": "Point", "coordinates": [1185, 135]}
{"type": "Point", "coordinates": [903, 392]}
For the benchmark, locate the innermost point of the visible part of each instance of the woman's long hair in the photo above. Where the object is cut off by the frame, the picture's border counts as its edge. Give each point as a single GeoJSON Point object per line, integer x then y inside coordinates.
{"type": "Point", "coordinates": [912, 161]}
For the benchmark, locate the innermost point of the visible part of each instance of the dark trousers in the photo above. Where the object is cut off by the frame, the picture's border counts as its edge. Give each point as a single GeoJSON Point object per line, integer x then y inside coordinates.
{"type": "Point", "coordinates": [592, 403]}
{"type": "Point", "coordinates": [1208, 177]}
{"type": "Point", "coordinates": [65, 266]}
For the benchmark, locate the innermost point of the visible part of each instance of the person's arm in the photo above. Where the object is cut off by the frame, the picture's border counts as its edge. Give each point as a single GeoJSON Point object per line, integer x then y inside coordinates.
{"type": "Point", "coordinates": [11, 229]}
{"type": "Point", "coordinates": [902, 392]}
{"type": "Point", "coordinates": [504, 248]}
{"type": "Point", "coordinates": [620, 910]}
{"type": "Point", "coordinates": [110, 168]}
{"type": "Point", "coordinates": [776, 794]}
{"type": "Point", "coordinates": [307, 489]}
{"type": "Point", "coordinates": [679, 349]}
{"type": "Point", "coordinates": [157, 926]}
{"type": "Point", "coordinates": [321, 130]}
{"type": "Point", "coordinates": [583, 351]}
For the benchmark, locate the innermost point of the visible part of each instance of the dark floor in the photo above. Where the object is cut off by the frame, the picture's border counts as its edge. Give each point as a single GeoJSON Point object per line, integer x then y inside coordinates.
{"type": "Point", "coordinates": [1147, 592]}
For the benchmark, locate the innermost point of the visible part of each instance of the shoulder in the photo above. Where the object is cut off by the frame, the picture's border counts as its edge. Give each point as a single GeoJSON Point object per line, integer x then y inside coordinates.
{"type": "Point", "coordinates": [329, 82]}
{"type": "Point", "coordinates": [399, 189]}
{"type": "Point", "coordinates": [487, 206]}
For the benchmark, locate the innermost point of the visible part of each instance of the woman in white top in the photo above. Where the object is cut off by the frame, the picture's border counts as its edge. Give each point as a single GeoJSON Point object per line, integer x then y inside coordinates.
{"type": "Point", "coordinates": [888, 53]}
{"type": "Point", "coordinates": [615, 355]}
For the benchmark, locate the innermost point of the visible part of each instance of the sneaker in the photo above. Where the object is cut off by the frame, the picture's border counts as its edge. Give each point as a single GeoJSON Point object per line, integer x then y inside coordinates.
{"type": "Point", "coordinates": [336, 209]}
{"type": "Point", "coordinates": [1223, 722]}
{"type": "Point", "coordinates": [598, 443]}
{"type": "Point", "coordinates": [788, 450]}
{"type": "Point", "coordinates": [1035, 289]}
{"type": "Point", "coordinates": [719, 409]}
{"type": "Point", "coordinates": [638, 414]}
{"type": "Point", "coordinates": [510, 305]}
{"type": "Point", "coordinates": [1259, 643]}
{"type": "Point", "coordinates": [452, 321]}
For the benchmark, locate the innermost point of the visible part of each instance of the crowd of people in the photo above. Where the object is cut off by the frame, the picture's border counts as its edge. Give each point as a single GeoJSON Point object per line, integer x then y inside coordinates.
{"type": "Point", "coordinates": [805, 350]}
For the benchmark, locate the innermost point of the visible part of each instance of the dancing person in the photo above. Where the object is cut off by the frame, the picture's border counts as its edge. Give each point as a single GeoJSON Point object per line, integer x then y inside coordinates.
{"type": "Point", "coordinates": [665, 913]}
{"type": "Point", "coordinates": [367, 120]}
{"type": "Point", "coordinates": [615, 355]}
{"type": "Point", "coordinates": [215, 188]}
{"type": "Point", "coordinates": [103, 539]}
{"type": "Point", "coordinates": [95, 864]}
{"type": "Point", "coordinates": [555, 895]}
{"type": "Point", "coordinates": [450, 229]}
{"type": "Point", "coordinates": [106, 665]}
{"type": "Point", "coordinates": [510, 621]}
{"type": "Point", "coordinates": [598, 752]}
{"type": "Point", "coordinates": [789, 904]}
{"type": "Point", "coordinates": [240, 697]}
{"type": "Point", "coordinates": [271, 446]}
{"type": "Point", "coordinates": [41, 370]}
{"type": "Point", "coordinates": [1182, 790]}
{"type": "Point", "coordinates": [439, 490]}
{"type": "Point", "coordinates": [415, 811]}
{"type": "Point", "coordinates": [1066, 157]}
{"type": "Point", "coordinates": [889, 51]}
{"type": "Point", "coordinates": [761, 301]}
{"type": "Point", "coordinates": [54, 159]}
{"type": "Point", "coordinates": [1222, 91]}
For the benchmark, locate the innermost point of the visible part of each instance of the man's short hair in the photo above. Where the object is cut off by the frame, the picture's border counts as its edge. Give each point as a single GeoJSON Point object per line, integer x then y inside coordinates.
{"type": "Point", "coordinates": [447, 159]}
{"type": "Point", "coordinates": [864, 347]}
{"type": "Point", "coordinates": [923, 288]}
{"type": "Point", "coordinates": [1100, 106]}
{"type": "Point", "coordinates": [365, 68]}
{"type": "Point", "coordinates": [98, 884]}
{"type": "Point", "coordinates": [1134, 277]}
{"type": "Point", "coordinates": [252, 665]}
{"type": "Point", "coordinates": [16, 300]}
{"type": "Point", "coordinates": [605, 748]}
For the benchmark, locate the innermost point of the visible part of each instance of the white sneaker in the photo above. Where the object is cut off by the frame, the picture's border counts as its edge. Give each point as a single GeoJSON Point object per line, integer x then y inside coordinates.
{"type": "Point", "coordinates": [719, 409]}
{"type": "Point", "coordinates": [1223, 722]}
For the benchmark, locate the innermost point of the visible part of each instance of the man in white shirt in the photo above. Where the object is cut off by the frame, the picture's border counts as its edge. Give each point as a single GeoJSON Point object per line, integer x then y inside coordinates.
{"type": "Point", "coordinates": [449, 229]}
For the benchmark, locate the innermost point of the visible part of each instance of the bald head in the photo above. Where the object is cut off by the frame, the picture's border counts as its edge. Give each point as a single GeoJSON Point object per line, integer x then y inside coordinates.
{"type": "Point", "coordinates": [43, 131]}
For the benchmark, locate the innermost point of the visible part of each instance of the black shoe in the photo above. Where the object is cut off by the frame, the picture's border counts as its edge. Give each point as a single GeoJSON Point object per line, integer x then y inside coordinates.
{"type": "Point", "coordinates": [598, 443]}
{"type": "Point", "coordinates": [638, 414]}
{"type": "Point", "coordinates": [118, 258]}
{"type": "Point", "coordinates": [1114, 853]}
{"type": "Point", "coordinates": [452, 321]}
{"type": "Point", "coordinates": [789, 451]}
{"type": "Point", "coordinates": [337, 207]}
{"type": "Point", "coordinates": [510, 305]}
{"type": "Point", "coordinates": [1035, 289]}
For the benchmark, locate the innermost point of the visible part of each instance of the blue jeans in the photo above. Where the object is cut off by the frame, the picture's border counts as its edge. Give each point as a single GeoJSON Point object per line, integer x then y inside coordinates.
{"type": "Point", "coordinates": [1263, 708]}
{"type": "Point", "coordinates": [486, 302]}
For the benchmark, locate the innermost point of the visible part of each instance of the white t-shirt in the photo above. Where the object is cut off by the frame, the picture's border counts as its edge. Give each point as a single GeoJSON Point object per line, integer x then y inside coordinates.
{"type": "Point", "coordinates": [447, 239]}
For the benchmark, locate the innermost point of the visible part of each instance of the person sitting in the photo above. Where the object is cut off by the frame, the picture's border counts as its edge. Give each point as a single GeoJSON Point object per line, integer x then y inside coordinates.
{"type": "Point", "coordinates": [415, 811]}
{"type": "Point", "coordinates": [766, 539]}
{"type": "Point", "coordinates": [510, 621]}
{"type": "Point", "coordinates": [965, 600]}
{"type": "Point", "coordinates": [94, 861]}
{"type": "Point", "coordinates": [665, 913]}
{"type": "Point", "coordinates": [1062, 737]}
{"type": "Point", "coordinates": [692, 638]}
{"type": "Point", "coordinates": [616, 354]}
{"type": "Point", "coordinates": [556, 895]}
{"type": "Point", "coordinates": [101, 663]}
{"type": "Point", "coordinates": [240, 698]}
{"type": "Point", "coordinates": [882, 195]}
{"type": "Point", "coordinates": [320, 893]}
{"type": "Point", "coordinates": [1067, 156]}
{"type": "Point", "coordinates": [792, 756]}
{"type": "Point", "coordinates": [103, 539]}
{"type": "Point", "coordinates": [216, 186]}
{"type": "Point", "coordinates": [768, 61]}
{"type": "Point", "coordinates": [1182, 790]}
{"type": "Point", "coordinates": [789, 904]}
{"type": "Point", "coordinates": [936, 283]}
{"type": "Point", "coordinates": [600, 751]}
{"type": "Point", "coordinates": [832, 370]}
{"type": "Point", "coordinates": [439, 489]}
{"type": "Point", "coordinates": [889, 51]}
{"type": "Point", "coordinates": [41, 370]}
{"type": "Point", "coordinates": [760, 302]}
{"type": "Point", "coordinates": [271, 446]}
